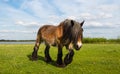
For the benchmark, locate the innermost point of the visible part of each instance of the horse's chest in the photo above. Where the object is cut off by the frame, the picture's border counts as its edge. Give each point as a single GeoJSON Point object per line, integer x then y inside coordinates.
{"type": "Point", "coordinates": [65, 42]}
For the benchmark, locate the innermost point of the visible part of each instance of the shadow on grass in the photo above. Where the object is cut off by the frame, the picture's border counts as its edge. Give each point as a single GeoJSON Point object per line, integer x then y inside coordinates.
{"type": "Point", "coordinates": [42, 59]}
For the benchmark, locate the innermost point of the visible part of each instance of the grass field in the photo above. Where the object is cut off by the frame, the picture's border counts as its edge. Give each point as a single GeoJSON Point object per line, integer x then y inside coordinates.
{"type": "Point", "coordinates": [91, 59]}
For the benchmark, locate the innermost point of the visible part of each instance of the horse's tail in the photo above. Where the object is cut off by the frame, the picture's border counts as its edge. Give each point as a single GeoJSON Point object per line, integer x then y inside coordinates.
{"type": "Point", "coordinates": [38, 39]}
{"type": "Point", "coordinates": [36, 47]}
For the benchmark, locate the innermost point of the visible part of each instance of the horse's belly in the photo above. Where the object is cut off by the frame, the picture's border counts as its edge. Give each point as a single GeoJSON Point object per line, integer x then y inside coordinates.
{"type": "Point", "coordinates": [50, 40]}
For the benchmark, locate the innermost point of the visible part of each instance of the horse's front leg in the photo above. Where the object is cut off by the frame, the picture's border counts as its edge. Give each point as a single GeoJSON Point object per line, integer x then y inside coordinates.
{"type": "Point", "coordinates": [69, 57]}
{"type": "Point", "coordinates": [59, 56]}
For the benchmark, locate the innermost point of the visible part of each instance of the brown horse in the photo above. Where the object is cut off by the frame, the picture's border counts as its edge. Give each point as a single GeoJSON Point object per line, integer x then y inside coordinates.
{"type": "Point", "coordinates": [68, 33]}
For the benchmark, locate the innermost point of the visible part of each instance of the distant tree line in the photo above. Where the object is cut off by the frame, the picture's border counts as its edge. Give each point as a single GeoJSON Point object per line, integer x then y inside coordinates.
{"type": "Point", "coordinates": [100, 40]}
{"type": "Point", "coordinates": [16, 40]}
{"type": "Point", "coordinates": [85, 40]}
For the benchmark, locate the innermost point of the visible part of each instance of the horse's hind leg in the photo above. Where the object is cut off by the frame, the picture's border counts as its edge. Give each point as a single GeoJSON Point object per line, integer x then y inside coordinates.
{"type": "Point", "coordinates": [47, 55]}
{"type": "Point", "coordinates": [35, 50]}
{"type": "Point", "coordinates": [34, 53]}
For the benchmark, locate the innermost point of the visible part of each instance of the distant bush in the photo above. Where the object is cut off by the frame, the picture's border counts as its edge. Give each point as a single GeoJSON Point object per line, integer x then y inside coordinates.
{"type": "Point", "coordinates": [100, 40]}
{"type": "Point", "coordinates": [94, 40]}
{"type": "Point", "coordinates": [114, 40]}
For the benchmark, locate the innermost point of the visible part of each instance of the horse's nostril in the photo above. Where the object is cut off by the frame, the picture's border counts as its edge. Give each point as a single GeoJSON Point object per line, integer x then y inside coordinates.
{"type": "Point", "coordinates": [77, 46]}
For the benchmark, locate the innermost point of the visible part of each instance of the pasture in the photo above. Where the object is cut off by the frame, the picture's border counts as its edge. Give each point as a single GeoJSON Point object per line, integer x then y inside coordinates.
{"type": "Point", "coordinates": [91, 59]}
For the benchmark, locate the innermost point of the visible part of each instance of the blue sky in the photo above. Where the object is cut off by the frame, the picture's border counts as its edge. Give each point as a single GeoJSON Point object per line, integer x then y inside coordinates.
{"type": "Point", "coordinates": [21, 19]}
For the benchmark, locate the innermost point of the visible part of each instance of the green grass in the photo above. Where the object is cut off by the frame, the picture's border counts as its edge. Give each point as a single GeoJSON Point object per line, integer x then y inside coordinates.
{"type": "Point", "coordinates": [91, 59]}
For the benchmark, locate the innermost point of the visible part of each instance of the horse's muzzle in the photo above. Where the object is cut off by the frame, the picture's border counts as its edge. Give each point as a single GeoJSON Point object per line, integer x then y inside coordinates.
{"type": "Point", "coordinates": [77, 47]}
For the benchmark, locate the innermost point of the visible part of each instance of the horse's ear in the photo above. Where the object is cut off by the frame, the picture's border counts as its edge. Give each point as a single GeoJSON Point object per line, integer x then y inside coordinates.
{"type": "Point", "coordinates": [82, 23]}
{"type": "Point", "coordinates": [72, 23]}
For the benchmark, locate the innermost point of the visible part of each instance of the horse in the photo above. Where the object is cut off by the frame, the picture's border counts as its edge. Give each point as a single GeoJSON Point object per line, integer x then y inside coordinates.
{"type": "Point", "coordinates": [68, 33]}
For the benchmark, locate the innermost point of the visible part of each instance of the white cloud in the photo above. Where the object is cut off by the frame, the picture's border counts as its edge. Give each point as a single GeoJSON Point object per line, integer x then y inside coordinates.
{"type": "Point", "coordinates": [109, 7]}
{"type": "Point", "coordinates": [72, 17]}
{"type": "Point", "coordinates": [39, 8]}
{"type": "Point", "coordinates": [100, 15]}
{"type": "Point", "coordinates": [20, 22]}
{"type": "Point", "coordinates": [69, 8]}
{"type": "Point", "coordinates": [105, 15]}
{"type": "Point", "coordinates": [16, 31]}
{"type": "Point", "coordinates": [98, 24]}
{"type": "Point", "coordinates": [2, 35]}
{"type": "Point", "coordinates": [95, 24]}
{"type": "Point", "coordinates": [87, 16]}
{"type": "Point", "coordinates": [23, 23]}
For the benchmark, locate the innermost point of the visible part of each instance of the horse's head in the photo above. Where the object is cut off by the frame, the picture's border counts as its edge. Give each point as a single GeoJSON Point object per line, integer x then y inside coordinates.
{"type": "Point", "coordinates": [77, 34]}
{"type": "Point", "coordinates": [74, 32]}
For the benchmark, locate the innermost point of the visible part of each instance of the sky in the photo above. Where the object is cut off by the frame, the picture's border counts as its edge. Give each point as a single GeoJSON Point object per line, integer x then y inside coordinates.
{"type": "Point", "coordinates": [21, 19]}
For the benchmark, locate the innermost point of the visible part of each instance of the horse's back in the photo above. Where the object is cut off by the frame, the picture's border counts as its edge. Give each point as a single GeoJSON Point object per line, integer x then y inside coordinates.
{"type": "Point", "coordinates": [50, 34]}
{"type": "Point", "coordinates": [47, 29]}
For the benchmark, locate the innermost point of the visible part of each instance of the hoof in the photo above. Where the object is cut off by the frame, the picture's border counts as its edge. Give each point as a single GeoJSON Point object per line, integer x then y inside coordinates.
{"type": "Point", "coordinates": [61, 66]}
{"type": "Point", "coordinates": [67, 59]}
{"type": "Point", "coordinates": [48, 60]}
{"type": "Point", "coordinates": [34, 58]}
